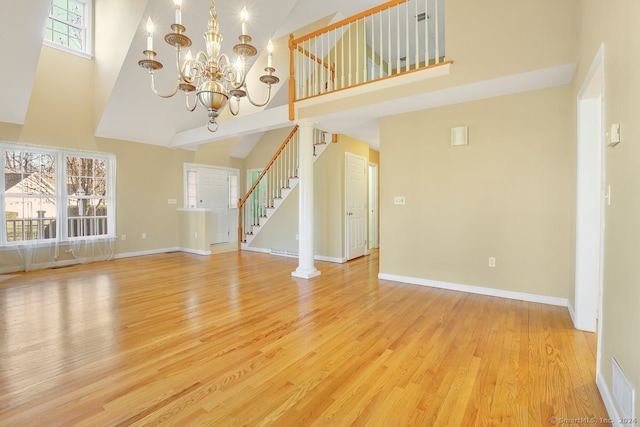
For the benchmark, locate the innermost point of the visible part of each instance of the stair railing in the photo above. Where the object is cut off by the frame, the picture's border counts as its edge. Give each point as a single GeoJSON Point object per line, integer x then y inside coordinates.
{"type": "Point", "coordinates": [394, 38]}
{"type": "Point", "coordinates": [268, 186]}
{"type": "Point", "coordinates": [275, 177]}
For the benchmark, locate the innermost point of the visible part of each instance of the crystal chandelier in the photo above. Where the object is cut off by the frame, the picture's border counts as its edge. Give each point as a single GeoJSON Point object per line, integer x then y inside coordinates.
{"type": "Point", "coordinates": [211, 75]}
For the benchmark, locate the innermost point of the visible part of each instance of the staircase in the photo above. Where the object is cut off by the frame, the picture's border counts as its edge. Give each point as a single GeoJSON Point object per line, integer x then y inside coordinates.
{"type": "Point", "coordinates": [278, 179]}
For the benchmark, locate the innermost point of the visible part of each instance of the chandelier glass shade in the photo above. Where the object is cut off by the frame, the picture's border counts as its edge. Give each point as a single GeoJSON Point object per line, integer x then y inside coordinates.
{"type": "Point", "coordinates": [212, 76]}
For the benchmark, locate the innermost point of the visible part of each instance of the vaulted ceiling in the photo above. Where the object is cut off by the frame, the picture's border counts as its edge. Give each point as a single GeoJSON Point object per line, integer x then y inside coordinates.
{"type": "Point", "coordinates": [126, 108]}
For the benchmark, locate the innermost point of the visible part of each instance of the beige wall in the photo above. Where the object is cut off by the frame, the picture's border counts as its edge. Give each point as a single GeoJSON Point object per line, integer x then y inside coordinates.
{"type": "Point", "coordinates": [193, 229]}
{"type": "Point", "coordinates": [616, 24]}
{"type": "Point", "coordinates": [147, 177]}
{"type": "Point", "coordinates": [505, 195]}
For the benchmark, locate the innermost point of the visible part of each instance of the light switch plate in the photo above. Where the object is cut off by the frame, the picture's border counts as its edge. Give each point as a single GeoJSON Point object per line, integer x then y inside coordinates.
{"type": "Point", "coordinates": [399, 200]}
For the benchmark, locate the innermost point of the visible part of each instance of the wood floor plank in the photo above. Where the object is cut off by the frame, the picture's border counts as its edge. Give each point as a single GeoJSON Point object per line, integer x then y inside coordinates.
{"type": "Point", "coordinates": [234, 340]}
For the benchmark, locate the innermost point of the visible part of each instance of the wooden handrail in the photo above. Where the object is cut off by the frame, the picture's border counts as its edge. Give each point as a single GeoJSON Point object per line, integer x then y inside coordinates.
{"type": "Point", "coordinates": [346, 21]}
{"type": "Point", "coordinates": [266, 169]}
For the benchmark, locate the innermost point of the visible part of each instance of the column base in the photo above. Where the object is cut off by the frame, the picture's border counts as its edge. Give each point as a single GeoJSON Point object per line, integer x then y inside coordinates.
{"type": "Point", "coordinates": [305, 274]}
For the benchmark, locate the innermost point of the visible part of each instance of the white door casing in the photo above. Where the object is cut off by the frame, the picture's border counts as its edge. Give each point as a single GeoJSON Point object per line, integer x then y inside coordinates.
{"type": "Point", "coordinates": [212, 190]}
{"type": "Point", "coordinates": [373, 206]}
{"type": "Point", "coordinates": [220, 207]}
{"type": "Point", "coordinates": [590, 199]}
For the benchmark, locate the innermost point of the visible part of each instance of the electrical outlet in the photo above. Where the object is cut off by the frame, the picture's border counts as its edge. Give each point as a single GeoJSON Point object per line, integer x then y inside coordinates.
{"type": "Point", "coordinates": [399, 200]}
{"type": "Point", "coordinates": [492, 261]}
{"type": "Point", "coordinates": [123, 237]}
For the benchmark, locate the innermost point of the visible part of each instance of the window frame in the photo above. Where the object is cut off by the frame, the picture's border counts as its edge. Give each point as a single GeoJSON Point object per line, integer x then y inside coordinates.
{"type": "Point", "coordinates": [62, 195]}
{"type": "Point", "coordinates": [86, 29]}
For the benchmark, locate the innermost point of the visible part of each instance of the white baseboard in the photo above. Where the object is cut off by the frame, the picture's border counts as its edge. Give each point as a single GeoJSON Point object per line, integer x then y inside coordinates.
{"type": "Point", "coordinates": [330, 259]}
{"type": "Point", "coordinates": [522, 296]}
{"type": "Point", "coordinates": [607, 398]}
{"type": "Point", "coordinates": [149, 252]}
{"type": "Point", "coordinates": [292, 255]}
{"type": "Point", "coordinates": [195, 251]}
{"type": "Point", "coordinates": [252, 249]}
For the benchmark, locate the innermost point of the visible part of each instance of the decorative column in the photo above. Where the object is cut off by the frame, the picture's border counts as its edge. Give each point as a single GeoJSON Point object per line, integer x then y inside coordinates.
{"type": "Point", "coordinates": [306, 268]}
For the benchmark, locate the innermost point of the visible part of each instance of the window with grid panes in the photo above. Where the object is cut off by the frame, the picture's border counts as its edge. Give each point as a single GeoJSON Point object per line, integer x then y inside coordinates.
{"type": "Point", "coordinates": [69, 26]}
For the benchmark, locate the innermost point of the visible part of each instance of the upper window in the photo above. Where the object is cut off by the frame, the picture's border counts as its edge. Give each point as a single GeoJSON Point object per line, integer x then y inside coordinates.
{"type": "Point", "coordinates": [69, 26]}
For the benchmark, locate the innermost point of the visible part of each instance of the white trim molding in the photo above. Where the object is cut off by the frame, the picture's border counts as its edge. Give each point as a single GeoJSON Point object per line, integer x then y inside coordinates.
{"type": "Point", "coordinates": [607, 398]}
{"type": "Point", "coordinates": [522, 296]}
{"type": "Point", "coordinates": [149, 252]}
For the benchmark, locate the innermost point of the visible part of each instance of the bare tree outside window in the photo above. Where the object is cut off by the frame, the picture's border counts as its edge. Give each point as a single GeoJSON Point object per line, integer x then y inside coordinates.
{"type": "Point", "coordinates": [86, 201]}
{"type": "Point", "coordinates": [52, 194]}
{"type": "Point", "coordinates": [30, 195]}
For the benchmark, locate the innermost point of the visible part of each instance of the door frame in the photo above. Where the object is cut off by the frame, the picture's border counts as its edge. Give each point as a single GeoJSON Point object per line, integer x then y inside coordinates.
{"type": "Point", "coordinates": [372, 209]}
{"type": "Point", "coordinates": [590, 205]}
{"type": "Point", "coordinates": [232, 211]}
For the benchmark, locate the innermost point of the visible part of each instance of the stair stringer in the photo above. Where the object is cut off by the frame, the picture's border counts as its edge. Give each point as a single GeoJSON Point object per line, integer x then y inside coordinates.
{"type": "Point", "coordinates": [293, 183]}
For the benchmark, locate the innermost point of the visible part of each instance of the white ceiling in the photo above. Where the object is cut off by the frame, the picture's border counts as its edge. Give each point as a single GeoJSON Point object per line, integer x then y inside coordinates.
{"type": "Point", "coordinates": [132, 112]}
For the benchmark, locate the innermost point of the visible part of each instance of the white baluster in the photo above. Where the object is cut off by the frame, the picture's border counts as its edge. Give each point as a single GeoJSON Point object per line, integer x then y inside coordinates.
{"type": "Point", "coordinates": [407, 55]}
{"type": "Point", "coordinates": [426, 33]}
{"type": "Point", "coordinates": [417, 49]}
{"type": "Point", "coordinates": [437, 47]}
{"type": "Point", "coordinates": [389, 41]}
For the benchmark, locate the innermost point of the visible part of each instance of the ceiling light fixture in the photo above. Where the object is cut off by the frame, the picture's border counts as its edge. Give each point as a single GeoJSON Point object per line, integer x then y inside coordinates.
{"type": "Point", "coordinates": [211, 75]}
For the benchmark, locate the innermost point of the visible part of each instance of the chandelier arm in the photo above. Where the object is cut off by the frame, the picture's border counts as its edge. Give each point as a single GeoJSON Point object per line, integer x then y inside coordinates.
{"type": "Point", "coordinates": [161, 95]}
{"type": "Point", "coordinates": [264, 103]}
{"type": "Point", "coordinates": [186, 102]}
{"type": "Point", "coordinates": [204, 56]}
{"type": "Point", "coordinates": [192, 69]}
{"type": "Point", "coordinates": [235, 113]}
{"type": "Point", "coordinates": [182, 68]}
{"type": "Point", "coordinates": [223, 58]}
{"type": "Point", "coordinates": [229, 72]}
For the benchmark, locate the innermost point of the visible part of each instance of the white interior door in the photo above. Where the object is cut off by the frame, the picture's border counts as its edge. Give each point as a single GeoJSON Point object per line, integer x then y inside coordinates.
{"type": "Point", "coordinates": [356, 205]}
{"type": "Point", "coordinates": [213, 194]}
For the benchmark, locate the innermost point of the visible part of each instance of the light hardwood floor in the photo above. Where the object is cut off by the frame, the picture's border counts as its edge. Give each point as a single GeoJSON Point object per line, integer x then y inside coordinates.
{"type": "Point", "coordinates": [234, 340]}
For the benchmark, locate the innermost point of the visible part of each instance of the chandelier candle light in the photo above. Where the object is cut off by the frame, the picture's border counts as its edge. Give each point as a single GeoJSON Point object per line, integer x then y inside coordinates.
{"type": "Point", "coordinates": [210, 75]}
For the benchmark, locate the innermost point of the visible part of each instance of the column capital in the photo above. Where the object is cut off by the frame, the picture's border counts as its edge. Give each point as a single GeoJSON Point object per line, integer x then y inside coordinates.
{"type": "Point", "coordinates": [306, 123]}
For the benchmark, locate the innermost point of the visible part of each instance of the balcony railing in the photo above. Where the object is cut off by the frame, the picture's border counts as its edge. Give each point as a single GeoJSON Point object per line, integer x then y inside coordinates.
{"type": "Point", "coordinates": [26, 229]}
{"type": "Point", "coordinates": [394, 38]}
